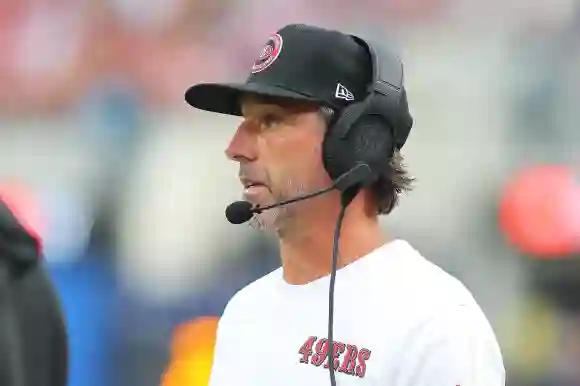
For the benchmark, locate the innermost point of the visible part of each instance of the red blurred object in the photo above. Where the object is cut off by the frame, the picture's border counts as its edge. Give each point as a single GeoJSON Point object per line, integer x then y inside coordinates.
{"type": "Point", "coordinates": [25, 207]}
{"type": "Point", "coordinates": [540, 211]}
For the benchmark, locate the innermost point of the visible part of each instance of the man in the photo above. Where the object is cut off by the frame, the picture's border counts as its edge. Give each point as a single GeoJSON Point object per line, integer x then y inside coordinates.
{"type": "Point", "coordinates": [399, 320]}
{"type": "Point", "coordinates": [33, 342]}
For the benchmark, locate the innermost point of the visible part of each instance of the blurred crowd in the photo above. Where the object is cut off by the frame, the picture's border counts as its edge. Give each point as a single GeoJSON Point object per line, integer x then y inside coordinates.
{"type": "Point", "coordinates": [56, 51]}
{"type": "Point", "coordinates": [128, 185]}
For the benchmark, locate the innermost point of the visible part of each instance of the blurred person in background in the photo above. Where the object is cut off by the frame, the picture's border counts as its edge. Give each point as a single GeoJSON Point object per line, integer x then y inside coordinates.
{"type": "Point", "coordinates": [310, 119]}
{"type": "Point", "coordinates": [33, 340]}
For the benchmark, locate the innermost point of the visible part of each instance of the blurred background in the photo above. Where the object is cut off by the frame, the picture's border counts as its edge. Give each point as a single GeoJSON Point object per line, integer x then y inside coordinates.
{"type": "Point", "coordinates": [128, 185]}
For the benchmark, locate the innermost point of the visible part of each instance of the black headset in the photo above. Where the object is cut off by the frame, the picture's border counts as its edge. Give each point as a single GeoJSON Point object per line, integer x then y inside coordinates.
{"type": "Point", "coordinates": [360, 143]}
{"type": "Point", "coordinates": [369, 131]}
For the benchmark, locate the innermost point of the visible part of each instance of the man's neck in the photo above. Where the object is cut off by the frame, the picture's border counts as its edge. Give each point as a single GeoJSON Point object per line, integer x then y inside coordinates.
{"type": "Point", "coordinates": [307, 254]}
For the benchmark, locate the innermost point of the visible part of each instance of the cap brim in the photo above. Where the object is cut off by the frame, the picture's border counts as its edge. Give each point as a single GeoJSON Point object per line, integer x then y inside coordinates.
{"type": "Point", "coordinates": [225, 98]}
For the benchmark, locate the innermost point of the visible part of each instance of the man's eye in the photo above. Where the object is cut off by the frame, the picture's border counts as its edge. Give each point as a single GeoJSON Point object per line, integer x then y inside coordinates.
{"type": "Point", "coordinates": [270, 119]}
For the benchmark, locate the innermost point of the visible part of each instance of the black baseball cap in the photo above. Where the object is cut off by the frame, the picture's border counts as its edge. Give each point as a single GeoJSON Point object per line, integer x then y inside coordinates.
{"type": "Point", "coordinates": [298, 62]}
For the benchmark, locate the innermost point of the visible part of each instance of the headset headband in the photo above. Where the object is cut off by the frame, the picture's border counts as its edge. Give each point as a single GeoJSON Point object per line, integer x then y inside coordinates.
{"type": "Point", "coordinates": [387, 79]}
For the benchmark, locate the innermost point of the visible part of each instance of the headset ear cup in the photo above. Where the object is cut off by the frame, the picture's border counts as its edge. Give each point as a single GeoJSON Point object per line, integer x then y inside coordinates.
{"type": "Point", "coordinates": [336, 153]}
{"type": "Point", "coordinates": [333, 155]}
{"type": "Point", "coordinates": [404, 123]}
{"type": "Point", "coordinates": [373, 143]}
{"type": "Point", "coordinates": [358, 137]}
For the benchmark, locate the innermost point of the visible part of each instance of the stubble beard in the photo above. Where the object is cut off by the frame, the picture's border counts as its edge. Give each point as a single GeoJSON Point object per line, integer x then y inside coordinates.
{"type": "Point", "coordinates": [273, 220]}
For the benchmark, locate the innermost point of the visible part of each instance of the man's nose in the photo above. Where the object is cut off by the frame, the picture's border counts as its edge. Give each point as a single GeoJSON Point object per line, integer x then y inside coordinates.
{"type": "Point", "coordinates": [242, 146]}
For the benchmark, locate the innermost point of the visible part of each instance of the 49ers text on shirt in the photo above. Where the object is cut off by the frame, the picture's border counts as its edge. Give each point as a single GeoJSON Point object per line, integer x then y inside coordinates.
{"type": "Point", "coordinates": [348, 358]}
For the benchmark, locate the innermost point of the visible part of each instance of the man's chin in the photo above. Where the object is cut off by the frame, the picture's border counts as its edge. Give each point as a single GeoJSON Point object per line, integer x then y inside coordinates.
{"type": "Point", "coordinates": [265, 221]}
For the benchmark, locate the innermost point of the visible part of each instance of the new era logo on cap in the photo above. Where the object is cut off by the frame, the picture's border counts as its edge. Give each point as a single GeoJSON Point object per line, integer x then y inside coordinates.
{"type": "Point", "coordinates": [343, 93]}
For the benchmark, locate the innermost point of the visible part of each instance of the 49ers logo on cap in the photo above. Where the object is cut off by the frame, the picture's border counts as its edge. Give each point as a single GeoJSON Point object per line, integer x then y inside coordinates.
{"type": "Point", "coordinates": [269, 54]}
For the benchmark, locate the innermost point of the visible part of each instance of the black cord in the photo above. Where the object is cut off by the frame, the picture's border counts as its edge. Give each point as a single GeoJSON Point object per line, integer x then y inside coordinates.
{"type": "Point", "coordinates": [330, 345]}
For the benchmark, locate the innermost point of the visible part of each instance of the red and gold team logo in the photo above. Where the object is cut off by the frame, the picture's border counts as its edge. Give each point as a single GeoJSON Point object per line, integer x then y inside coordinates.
{"type": "Point", "coordinates": [269, 54]}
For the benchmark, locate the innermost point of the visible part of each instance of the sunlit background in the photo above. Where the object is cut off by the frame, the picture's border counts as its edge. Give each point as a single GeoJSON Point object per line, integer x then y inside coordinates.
{"type": "Point", "coordinates": [128, 185]}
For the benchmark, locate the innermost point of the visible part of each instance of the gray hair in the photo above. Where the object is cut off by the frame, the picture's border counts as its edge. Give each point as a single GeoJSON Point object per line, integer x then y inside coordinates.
{"type": "Point", "coordinates": [327, 114]}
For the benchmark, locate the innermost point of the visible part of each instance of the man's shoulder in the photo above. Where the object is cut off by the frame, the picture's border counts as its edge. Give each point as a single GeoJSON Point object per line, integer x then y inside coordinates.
{"type": "Point", "coordinates": [418, 287]}
{"type": "Point", "coordinates": [424, 279]}
{"type": "Point", "coordinates": [434, 305]}
{"type": "Point", "coordinates": [437, 295]}
{"type": "Point", "coordinates": [253, 294]}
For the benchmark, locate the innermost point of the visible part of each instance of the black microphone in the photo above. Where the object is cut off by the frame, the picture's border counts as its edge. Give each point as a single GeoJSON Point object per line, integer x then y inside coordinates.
{"type": "Point", "coordinates": [240, 212]}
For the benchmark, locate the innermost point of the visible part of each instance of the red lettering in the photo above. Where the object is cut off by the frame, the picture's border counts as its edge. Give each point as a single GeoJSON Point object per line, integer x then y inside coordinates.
{"type": "Point", "coordinates": [346, 358]}
{"type": "Point", "coordinates": [338, 349]}
{"type": "Point", "coordinates": [321, 349]}
{"type": "Point", "coordinates": [363, 356]}
{"type": "Point", "coordinates": [349, 361]}
{"type": "Point", "coordinates": [306, 349]}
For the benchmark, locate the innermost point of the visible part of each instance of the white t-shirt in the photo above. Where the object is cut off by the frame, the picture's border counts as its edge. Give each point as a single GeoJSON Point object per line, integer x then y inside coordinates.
{"type": "Point", "coordinates": [400, 320]}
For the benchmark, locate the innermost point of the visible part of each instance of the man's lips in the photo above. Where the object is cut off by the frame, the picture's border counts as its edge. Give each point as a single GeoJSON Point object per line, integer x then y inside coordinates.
{"type": "Point", "coordinates": [248, 183]}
